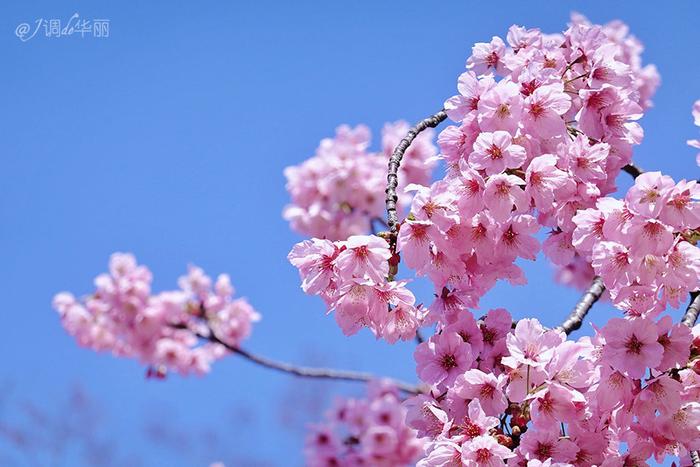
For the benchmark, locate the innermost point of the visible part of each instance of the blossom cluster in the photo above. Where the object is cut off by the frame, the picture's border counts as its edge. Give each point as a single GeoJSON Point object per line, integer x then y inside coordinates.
{"type": "Point", "coordinates": [696, 118]}
{"type": "Point", "coordinates": [164, 330]}
{"type": "Point", "coordinates": [339, 192]}
{"type": "Point", "coordinates": [352, 277]}
{"type": "Point", "coordinates": [364, 432]}
{"type": "Point", "coordinates": [527, 396]}
{"type": "Point", "coordinates": [545, 124]}
{"type": "Point", "coordinates": [643, 245]}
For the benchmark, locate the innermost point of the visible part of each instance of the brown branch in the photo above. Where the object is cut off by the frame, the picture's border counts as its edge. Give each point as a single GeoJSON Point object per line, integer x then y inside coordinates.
{"type": "Point", "coordinates": [693, 310]}
{"type": "Point", "coordinates": [303, 371]}
{"type": "Point", "coordinates": [392, 177]}
{"type": "Point", "coordinates": [575, 319]}
{"type": "Point", "coordinates": [633, 170]}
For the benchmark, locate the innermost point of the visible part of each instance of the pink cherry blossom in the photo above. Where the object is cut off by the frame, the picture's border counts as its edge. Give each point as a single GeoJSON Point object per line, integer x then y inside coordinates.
{"type": "Point", "coordinates": [487, 388]}
{"type": "Point", "coordinates": [516, 237]}
{"type": "Point", "coordinates": [500, 107]}
{"type": "Point", "coordinates": [364, 256]}
{"type": "Point", "coordinates": [649, 193]}
{"type": "Point", "coordinates": [542, 179]}
{"type": "Point", "coordinates": [161, 330]}
{"type": "Point", "coordinates": [315, 260]}
{"type": "Point", "coordinates": [543, 111]}
{"type": "Point", "coordinates": [695, 143]}
{"type": "Point", "coordinates": [470, 90]}
{"type": "Point", "coordinates": [530, 345]}
{"type": "Point", "coordinates": [632, 345]}
{"type": "Point", "coordinates": [487, 57]}
{"type": "Point", "coordinates": [337, 192]}
{"type": "Point", "coordinates": [494, 152]}
{"type": "Point", "coordinates": [547, 445]}
{"type": "Point", "coordinates": [484, 451]}
{"type": "Point", "coordinates": [442, 358]}
{"type": "Point", "coordinates": [503, 193]}
{"type": "Point", "coordinates": [364, 431]}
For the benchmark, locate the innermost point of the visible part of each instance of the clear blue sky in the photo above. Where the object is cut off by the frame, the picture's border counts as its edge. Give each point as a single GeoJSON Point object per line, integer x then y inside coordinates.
{"type": "Point", "coordinates": [168, 139]}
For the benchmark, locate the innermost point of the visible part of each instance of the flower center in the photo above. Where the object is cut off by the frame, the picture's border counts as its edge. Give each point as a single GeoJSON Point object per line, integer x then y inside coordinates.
{"type": "Point", "coordinates": [495, 152]}
{"type": "Point", "coordinates": [471, 429]}
{"type": "Point", "coordinates": [488, 334]}
{"type": "Point", "coordinates": [483, 455]}
{"type": "Point", "coordinates": [448, 362]}
{"type": "Point", "coordinates": [492, 59]}
{"type": "Point", "coordinates": [536, 110]}
{"type": "Point", "coordinates": [543, 451]}
{"type": "Point", "coordinates": [503, 111]}
{"type": "Point", "coordinates": [634, 345]}
{"type": "Point", "coordinates": [487, 391]}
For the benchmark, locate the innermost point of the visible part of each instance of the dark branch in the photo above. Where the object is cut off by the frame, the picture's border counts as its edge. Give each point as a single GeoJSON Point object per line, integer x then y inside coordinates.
{"type": "Point", "coordinates": [633, 170]}
{"type": "Point", "coordinates": [691, 313]}
{"type": "Point", "coordinates": [575, 319]}
{"type": "Point", "coordinates": [392, 177]}
{"type": "Point", "coordinates": [695, 458]}
{"type": "Point", "coordinates": [307, 372]}
{"type": "Point", "coordinates": [689, 319]}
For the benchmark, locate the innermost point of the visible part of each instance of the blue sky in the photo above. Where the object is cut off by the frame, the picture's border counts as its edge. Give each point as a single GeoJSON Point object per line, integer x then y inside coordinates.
{"type": "Point", "coordinates": [168, 139]}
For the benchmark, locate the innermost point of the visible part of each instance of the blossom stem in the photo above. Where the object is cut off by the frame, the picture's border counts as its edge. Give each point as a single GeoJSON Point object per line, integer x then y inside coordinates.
{"type": "Point", "coordinates": [307, 372]}
{"type": "Point", "coordinates": [575, 319]}
{"type": "Point", "coordinates": [585, 75]}
{"type": "Point", "coordinates": [392, 177]}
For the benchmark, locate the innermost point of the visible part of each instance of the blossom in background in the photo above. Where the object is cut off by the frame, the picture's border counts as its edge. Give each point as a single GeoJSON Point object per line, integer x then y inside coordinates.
{"type": "Point", "coordinates": [162, 330]}
{"type": "Point", "coordinates": [340, 191]}
{"type": "Point", "coordinates": [368, 431]}
{"type": "Point", "coordinates": [696, 120]}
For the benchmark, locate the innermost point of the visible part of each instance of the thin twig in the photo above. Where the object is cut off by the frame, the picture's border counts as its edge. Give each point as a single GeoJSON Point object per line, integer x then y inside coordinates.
{"type": "Point", "coordinates": [575, 319]}
{"type": "Point", "coordinates": [392, 177]}
{"type": "Point", "coordinates": [308, 372]}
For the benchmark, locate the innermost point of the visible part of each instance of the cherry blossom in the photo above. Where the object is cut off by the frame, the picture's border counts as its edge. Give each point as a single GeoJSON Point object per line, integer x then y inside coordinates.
{"type": "Point", "coordinates": [338, 192]}
{"type": "Point", "coordinates": [695, 143]}
{"type": "Point", "coordinates": [163, 330]}
{"type": "Point", "coordinates": [368, 431]}
{"type": "Point", "coordinates": [543, 126]}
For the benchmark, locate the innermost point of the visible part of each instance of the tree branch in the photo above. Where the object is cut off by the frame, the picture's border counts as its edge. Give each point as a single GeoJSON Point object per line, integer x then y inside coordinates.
{"type": "Point", "coordinates": [392, 177]}
{"type": "Point", "coordinates": [695, 458]}
{"type": "Point", "coordinates": [693, 310]}
{"type": "Point", "coordinates": [575, 319]}
{"type": "Point", "coordinates": [633, 170]}
{"type": "Point", "coordinates": [306, 372]}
